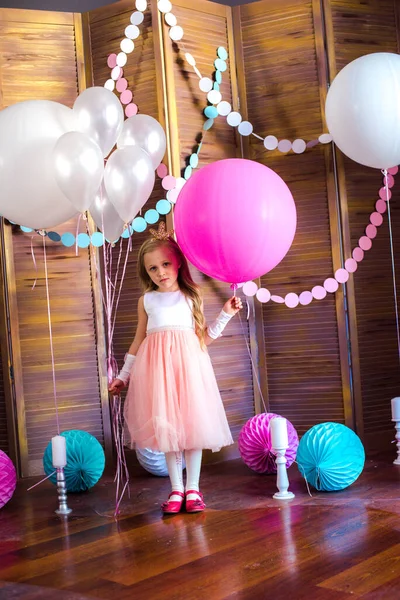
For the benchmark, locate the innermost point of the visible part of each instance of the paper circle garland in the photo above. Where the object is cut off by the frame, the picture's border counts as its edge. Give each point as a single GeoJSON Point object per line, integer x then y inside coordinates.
{"type": "Point", "coordinates": [8, 478]}
{"type": "Point", "coordinates": [330, 456]}
{"type": "Point", "coordinates": [255, 444]}
{"type": "Point", "coordinates": [85, 461]}
{"type": "Point", "coordinates": [153, 461]}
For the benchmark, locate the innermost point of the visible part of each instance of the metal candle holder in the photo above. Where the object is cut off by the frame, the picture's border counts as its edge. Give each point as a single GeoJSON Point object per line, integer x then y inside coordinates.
{"type": "Point", "coordinates": [62, 493]}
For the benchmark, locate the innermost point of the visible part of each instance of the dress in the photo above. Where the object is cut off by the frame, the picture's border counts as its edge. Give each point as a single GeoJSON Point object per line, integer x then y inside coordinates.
{"type": "Point", "coordinates": [173, 402]}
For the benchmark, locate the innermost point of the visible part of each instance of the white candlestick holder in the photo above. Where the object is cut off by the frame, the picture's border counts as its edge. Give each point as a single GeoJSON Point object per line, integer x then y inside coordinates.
{"type": "Point", "coordinates": [62, 493]}
{"type": "Point", "coordinates": [282, 480]}
{"type": "Point", "coordinates": [397, 436]}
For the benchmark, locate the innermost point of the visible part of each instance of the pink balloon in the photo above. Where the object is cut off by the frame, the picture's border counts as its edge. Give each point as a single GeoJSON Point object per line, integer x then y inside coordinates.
{"type": "Point", "coordinates": [235, 219]}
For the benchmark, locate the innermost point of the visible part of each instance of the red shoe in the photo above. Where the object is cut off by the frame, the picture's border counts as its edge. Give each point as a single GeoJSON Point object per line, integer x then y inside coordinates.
{"type": "Point", "coordinates": [197, 505]}
{"type": "Point", "coordinates": [171, 507]}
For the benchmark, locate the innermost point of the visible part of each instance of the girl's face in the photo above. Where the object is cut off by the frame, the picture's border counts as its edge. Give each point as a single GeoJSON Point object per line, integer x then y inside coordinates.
{"type": "Point", "coordinates": [162, 266]}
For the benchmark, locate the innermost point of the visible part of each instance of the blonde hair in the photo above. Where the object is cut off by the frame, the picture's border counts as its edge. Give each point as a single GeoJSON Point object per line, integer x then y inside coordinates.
{"type": "Point", "coordinates": [186, 284]}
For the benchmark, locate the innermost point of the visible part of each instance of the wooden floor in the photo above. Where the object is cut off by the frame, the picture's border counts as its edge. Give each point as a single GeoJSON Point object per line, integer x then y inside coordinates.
{"type": "Point", "coordinates": [245, 546]}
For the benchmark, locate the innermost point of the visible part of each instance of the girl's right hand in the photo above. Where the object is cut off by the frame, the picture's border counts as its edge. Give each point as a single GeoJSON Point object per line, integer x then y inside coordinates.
{"type": "Point", "coordinates": [117, 385]}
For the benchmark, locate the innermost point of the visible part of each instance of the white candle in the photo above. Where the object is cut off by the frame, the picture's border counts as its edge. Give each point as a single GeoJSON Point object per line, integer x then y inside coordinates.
{"type": "Point", "coordinates": [396, 409]}
{"type": "Point", "coordinates": [59, 451]}
{"type": "Point", "coordinates": [279, 433]}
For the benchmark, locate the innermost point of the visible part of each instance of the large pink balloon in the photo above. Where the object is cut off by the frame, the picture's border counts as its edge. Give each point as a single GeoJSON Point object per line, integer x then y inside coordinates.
{"type": "Point", "coordinates": [235, 220]}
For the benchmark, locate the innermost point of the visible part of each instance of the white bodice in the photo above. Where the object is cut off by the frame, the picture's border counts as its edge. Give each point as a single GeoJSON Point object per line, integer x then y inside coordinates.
{"type": "Point", "coordinates": [168, 310]}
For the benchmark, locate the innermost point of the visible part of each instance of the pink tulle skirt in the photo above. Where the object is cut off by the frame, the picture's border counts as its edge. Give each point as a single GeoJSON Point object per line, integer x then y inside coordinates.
{"type": "Point", "coordinates": [173, 402]}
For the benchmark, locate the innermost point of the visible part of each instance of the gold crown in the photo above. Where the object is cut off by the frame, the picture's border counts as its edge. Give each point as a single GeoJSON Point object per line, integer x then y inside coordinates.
{"type": "Point", "coordinates": [161, 233]}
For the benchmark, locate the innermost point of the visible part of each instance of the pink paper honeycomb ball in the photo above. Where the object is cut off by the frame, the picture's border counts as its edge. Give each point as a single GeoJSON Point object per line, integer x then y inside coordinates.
{"type": "Point", "coordinates": [255, 444]}
{"type": "Point", "coordinates": [8, 478]}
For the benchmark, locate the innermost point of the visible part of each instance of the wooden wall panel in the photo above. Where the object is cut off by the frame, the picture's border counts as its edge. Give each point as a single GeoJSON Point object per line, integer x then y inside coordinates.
{"type": "Point", "coordinates": [38, 54]}
{"type": "Point", "coordinates": [3, 416]}
{"type": "Point", "coordinates": [208, 26]}
{"type": "Point", "coordinates": [106, 26]}
{"type": "Point", "coordinates": [282, 86]}
{"type": "Point", "coordinates": [356, 28]}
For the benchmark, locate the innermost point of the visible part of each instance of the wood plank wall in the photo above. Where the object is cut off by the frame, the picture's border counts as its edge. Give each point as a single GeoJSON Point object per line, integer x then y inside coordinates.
{"type": "Point", "coordinates": [39, 61]}
{"type": "Point", "coordinates": [290, 50]}
{"type": "Point", "coordinates": [355, 28]}
{"type": "Point", "coordinates": [151, 55]}
{"type": "Point", "coordinates": [230, 356]}
{"type": "Point", "coordinates": [280, 84]}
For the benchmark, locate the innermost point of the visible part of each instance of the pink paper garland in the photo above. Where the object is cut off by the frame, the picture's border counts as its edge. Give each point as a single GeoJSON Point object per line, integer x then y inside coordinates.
{"type": "Point", "coordinates": [341, 276]}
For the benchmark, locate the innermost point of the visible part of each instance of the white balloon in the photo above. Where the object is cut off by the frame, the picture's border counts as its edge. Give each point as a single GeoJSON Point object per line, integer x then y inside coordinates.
{"type": "Point", "coordinates": [145, 132]}
{"type": "Point", "coordinates": [100, 115]}
{"type": "Point", "coordinates": [129, 179]}
{"type": "Point", "coordinates": [78, 168]}
{"type": "Point", "coordinates": [363, 110]}
{"type": "Point", "coordinates": [29, 194]}
{"type": "Point", "coordinates": [105, 216]}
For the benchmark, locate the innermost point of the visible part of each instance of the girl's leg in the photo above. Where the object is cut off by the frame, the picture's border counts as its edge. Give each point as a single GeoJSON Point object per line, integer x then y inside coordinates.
{"type": "Point", "coordinates": [174, 465]}
{"type": "Point", "coordinates": [193, 466]}
{"type": "Point", "coordinates": [194, 499]}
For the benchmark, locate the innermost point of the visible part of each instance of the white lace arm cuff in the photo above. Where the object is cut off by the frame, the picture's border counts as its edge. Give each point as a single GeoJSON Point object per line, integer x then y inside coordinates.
{"type": "Point", "coordinates": [216, 328]}
{"type": "Point", "coordinates": [125, 372]}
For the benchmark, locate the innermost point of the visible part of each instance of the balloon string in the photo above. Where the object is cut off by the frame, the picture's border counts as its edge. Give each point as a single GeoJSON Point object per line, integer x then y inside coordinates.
{"type": "Point", "coordinates": [76, 234]}
{"type": "Point", "coordinates": [34, 263]}
{"type": "Point", "coordinates": [122, 473]}
{"type": "Point", "coordinates": [303, 473]}
{"type": "Point", "coordinates": [50, 333]}
{"type": "Point", "coordinates": [252, 363]}
{"type": "Point", "coordinates": [41, 481]}
{"type": "Point", "coordinates": [128, 248]}
{"type": "Point", "coordinates": [385, 180]}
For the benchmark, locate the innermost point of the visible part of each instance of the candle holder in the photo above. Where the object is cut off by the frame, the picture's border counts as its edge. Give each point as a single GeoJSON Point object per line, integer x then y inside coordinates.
{"type": "Point", "coordinates": [62, 493]}
{"type": "Point", "coordinates": [397, 436]}
{"type": "Point", "coordinates": [282, 480]}
{"type": "Point", "coordinates": [396, 418]}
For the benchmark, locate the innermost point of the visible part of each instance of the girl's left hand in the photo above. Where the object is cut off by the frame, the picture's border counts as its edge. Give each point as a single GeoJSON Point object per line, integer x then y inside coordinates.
{"type": "Point", "coordinates": [233, 305]}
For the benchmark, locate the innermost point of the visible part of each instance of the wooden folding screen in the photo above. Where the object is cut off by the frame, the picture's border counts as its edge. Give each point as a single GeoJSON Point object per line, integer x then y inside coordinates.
{"type": "Point", "coordinates": [336, 359]}
{"type": "Point", "coordinates": [41, 54]}
{"type": "Point", "coordinates": [281, 76]}
{"type": "Point", "coordinates": [175, 99]}
{"type": "Point", "coordinates": [355, 28]}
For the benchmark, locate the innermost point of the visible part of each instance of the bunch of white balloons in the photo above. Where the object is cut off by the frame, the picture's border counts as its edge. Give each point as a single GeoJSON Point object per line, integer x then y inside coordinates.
{"type": "Point", "coordinates": [52, 161]}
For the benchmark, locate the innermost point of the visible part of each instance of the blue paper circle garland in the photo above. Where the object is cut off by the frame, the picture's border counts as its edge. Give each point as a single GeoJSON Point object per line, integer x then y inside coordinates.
{"type": "Point", "coordinates": [85, 461]}
{"type": "Point", "coordinates": [330, 456]}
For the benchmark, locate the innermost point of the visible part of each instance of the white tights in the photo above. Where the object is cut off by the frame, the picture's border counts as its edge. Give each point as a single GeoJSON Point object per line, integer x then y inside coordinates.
{"type": "Point", "coordinates": [193, 466]}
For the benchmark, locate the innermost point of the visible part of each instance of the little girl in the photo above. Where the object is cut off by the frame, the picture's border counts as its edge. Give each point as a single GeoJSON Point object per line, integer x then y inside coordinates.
{"type": "Point", "coordinates": [173, 402]}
